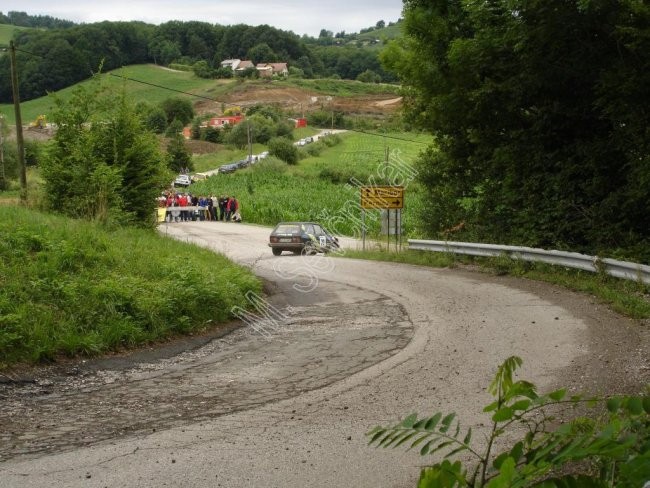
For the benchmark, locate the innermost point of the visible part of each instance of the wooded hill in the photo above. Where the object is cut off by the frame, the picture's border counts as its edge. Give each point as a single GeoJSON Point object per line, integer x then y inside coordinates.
{"type": "Point", "coordinates": [52, 59]}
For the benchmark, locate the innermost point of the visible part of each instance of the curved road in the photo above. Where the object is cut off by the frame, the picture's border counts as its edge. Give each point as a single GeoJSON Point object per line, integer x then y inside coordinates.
{"type": "Point", "coordinates": [334, 348]}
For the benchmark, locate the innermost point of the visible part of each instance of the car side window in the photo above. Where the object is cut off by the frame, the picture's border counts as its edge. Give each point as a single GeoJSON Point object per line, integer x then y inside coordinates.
{"type": "Point", "coordinates": [318, 231]}
{"type": "Point", "coordinates": [309, 229]}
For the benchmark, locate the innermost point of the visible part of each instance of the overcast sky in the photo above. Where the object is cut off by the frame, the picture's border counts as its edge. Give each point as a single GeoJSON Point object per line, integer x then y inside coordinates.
{"type": "Point", "coordinates": [299, 16]}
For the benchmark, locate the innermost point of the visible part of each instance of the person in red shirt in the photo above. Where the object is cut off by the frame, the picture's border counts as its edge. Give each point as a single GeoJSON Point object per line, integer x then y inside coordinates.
{"type": "Point", "coordinates": [182, 202]}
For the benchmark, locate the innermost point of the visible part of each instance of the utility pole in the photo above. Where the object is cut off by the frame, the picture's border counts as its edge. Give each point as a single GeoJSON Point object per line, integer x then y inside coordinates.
{"type": "Point", "coordinates": [19, 124]}
{"type": "Point", "coordinates": [3, 177]}
{"type": "Point", "coordinates": [250, 142]}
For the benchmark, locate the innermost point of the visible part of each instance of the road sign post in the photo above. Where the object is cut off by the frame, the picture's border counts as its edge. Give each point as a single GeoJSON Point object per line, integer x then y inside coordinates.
{"type": "Point", "coordinates": [382, 198]}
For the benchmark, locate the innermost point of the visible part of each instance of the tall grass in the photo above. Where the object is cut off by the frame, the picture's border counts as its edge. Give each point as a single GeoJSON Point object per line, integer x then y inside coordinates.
{"type": "Point", "coordinates": [70, 287]}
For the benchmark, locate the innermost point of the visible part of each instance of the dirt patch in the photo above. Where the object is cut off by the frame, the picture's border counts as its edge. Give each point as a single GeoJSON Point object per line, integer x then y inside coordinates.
{"type": "Point", "coordinates": [202, 147]}
{"type": "Point", "coordinates": [301, 101]}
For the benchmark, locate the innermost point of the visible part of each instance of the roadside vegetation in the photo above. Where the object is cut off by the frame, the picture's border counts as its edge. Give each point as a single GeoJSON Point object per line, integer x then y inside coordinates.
{"type": "Point", "coordinates": [71, 287]}
{"type": "Point", "coordinates": [522, 156]}
{"type": "Point", "coordinates": [530, 442]}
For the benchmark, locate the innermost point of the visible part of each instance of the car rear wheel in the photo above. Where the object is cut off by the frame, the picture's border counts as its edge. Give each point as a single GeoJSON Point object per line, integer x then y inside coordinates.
{"type": "Point", "coordinates": [276, 251]}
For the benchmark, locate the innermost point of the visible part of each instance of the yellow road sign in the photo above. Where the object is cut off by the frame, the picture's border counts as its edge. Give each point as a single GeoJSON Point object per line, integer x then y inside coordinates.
{"type": "Point", "coordinates": [386, 197]}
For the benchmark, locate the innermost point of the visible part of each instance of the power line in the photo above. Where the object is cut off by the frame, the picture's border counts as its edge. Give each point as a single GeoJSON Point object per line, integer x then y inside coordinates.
{"type": "Point", "coordinates": [388, 137]}
{"type": "Point", "coordinates": [162, 87]}
{"type": "Point", "coordinates": [171, 89]}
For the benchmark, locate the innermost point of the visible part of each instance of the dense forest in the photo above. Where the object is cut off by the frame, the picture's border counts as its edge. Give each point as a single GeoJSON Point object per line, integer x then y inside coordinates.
{"type": "Point", "coordinates": [63, 54]}
{"type": "Point", "coordinates": [539, 109]}
{"type": "Point", "coordinates": [22, 19]}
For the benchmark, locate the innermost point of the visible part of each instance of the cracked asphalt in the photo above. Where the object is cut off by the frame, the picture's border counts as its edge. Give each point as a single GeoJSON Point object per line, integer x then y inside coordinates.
{"type": "Point", "coordinates": [285, 397]}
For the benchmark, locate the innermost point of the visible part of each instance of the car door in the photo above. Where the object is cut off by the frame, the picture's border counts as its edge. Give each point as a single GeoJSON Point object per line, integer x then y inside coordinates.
{"type": "Point", "coordinates": [321, 235]}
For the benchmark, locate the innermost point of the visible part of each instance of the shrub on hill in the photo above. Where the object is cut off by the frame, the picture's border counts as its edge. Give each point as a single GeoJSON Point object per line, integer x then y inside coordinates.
{"type": "Point", "coordinates": [283, 149]}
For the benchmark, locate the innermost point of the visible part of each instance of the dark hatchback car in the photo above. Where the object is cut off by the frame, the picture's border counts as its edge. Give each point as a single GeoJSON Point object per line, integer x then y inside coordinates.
{"type": "Point", "coordinates": [228, 168]}
{"type": "Point", "coordinates": [299, 237]}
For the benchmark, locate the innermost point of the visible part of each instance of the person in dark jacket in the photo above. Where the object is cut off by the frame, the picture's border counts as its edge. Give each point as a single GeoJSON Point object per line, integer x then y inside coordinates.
{"type": "Point", "coordinates": [222, 207]}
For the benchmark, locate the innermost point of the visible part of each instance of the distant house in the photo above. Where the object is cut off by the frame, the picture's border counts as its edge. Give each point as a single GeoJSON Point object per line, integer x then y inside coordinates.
{"type": "Point", "coordinates": [243, 65]}
{"type": "Point", "coordinates": [230, 63]}
{"type": "Point", "coordinates": [279, 69]}
{"type": "Point", "coordinates": [219, 122]}
{"type": "Point", "coordinates": [264, 70]}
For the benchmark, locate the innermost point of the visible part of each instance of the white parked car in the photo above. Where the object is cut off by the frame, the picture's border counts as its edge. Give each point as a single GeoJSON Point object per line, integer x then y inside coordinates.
{"type": "Point", "coordinates": [182, 180]}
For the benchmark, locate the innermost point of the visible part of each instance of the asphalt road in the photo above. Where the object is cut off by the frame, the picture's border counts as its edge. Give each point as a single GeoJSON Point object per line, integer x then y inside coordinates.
{"type": "Point", "coordinates": [336, 347]}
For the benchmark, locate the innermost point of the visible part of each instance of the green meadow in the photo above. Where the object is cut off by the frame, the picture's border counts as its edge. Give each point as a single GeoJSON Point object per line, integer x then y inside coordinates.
{"type": "Point", "coordinates": [139, 83]}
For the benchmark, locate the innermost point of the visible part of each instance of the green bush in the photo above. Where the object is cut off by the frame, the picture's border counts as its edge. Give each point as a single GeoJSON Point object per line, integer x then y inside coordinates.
{"type": "Point", "coordinates": [283, 149]}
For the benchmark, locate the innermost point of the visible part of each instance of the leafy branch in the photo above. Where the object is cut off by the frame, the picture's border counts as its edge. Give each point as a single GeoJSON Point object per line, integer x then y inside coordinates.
{"type": "Point", "coordinates": [609, 451]}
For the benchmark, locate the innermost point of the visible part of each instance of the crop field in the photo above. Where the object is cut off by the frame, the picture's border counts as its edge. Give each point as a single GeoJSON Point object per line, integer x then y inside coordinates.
{"type": "Point", "coordinates": [325, 188]}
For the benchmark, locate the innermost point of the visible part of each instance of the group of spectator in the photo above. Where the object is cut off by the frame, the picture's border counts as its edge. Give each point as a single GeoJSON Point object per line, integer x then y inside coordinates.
{"type": "Point", "coordinates": [224, 208]}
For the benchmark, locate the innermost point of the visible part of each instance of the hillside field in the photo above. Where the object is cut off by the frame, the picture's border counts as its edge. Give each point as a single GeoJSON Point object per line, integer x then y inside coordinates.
{"type": "Point", "coordinates": [156, 83]}
{"type": "Point", "coordinates": [7, 33]}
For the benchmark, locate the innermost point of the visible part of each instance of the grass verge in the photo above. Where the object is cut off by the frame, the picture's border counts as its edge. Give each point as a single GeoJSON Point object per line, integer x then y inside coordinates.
{"type": "Point", "coordinates": [72, 288]}
{"type": "Point", "coordinates": [626, 297]}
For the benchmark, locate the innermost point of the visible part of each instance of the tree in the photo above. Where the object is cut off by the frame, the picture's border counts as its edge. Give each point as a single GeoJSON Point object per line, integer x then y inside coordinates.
{"type": "Point", "coordinates": [156, 120]}
{"type": "Point", "coordinates": [164, 51]}
{"type": "Point", "coordinates": [536, 111]}
{"type": "Point", "coordinates": [380, 24]}
{"type": "Point", "coordinates": [178, 109]}
{"type": "Point", "coordinates": [282, 148]}
{"type": "Point", "coordinates": [178, 157]}
{"type": "Point", "coordinates": [238, 136]}
{"type": "Point", "coordinates": [369, 76]}
{"type": "Point", "coordinates": [102, 165]}
{"type": "Point", "coordinates": [203, 70]}
{"type": "Point", "coordinates": [174, 129]}
{"type": "Point", "coordinates": [261, 53]}
{"type": "Point", "coordinates": [210, 134]}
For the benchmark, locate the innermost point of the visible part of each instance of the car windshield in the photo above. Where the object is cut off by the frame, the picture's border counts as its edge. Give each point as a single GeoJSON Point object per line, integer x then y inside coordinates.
{"type": "Point", "coordinates": [287, 229]}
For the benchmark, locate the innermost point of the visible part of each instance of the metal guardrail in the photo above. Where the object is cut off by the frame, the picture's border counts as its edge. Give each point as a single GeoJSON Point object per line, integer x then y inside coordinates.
{"type": "Point", "coordinates": [613, 267]}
